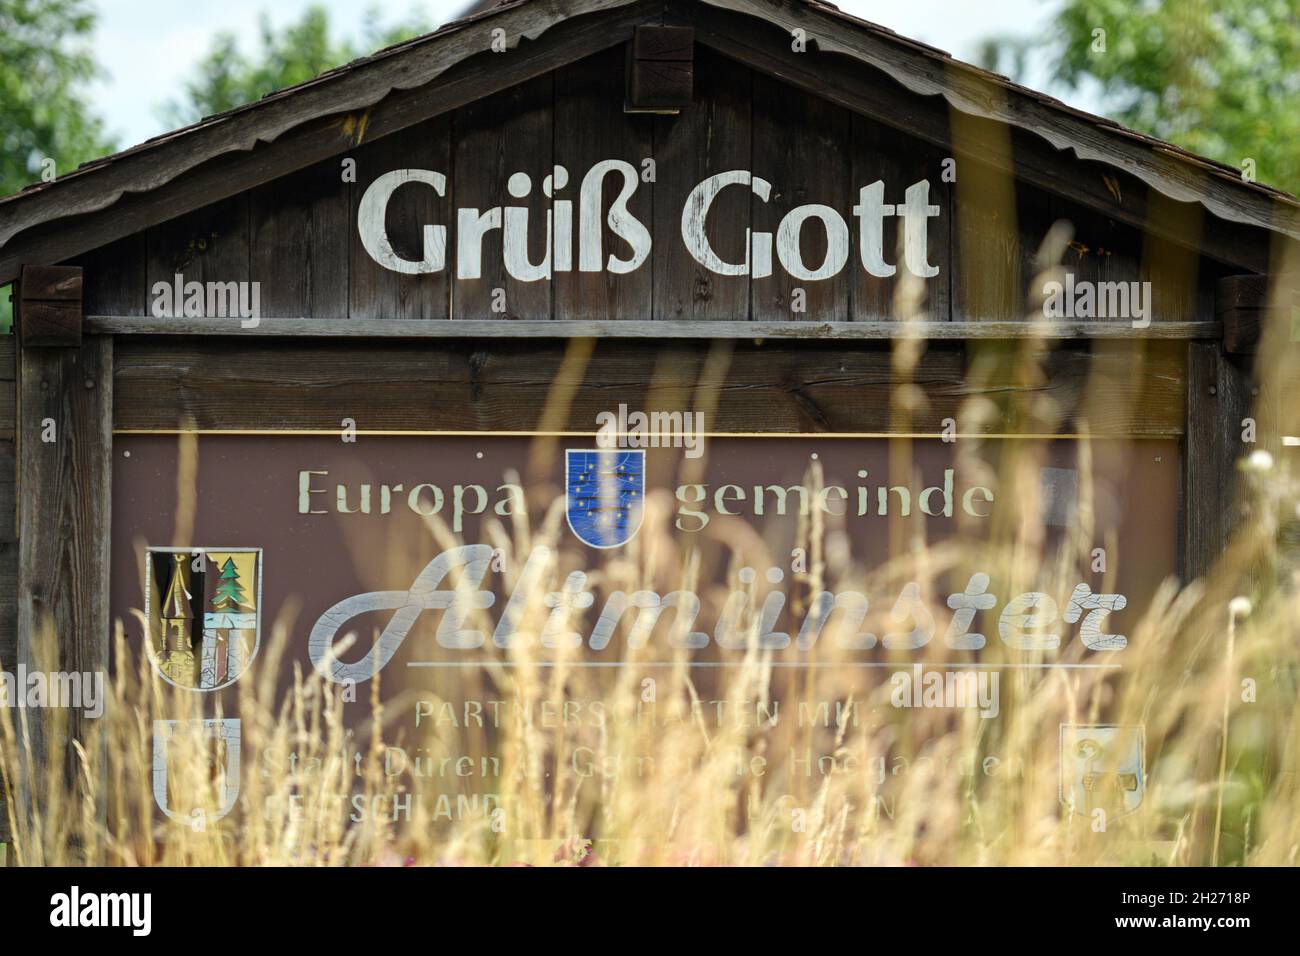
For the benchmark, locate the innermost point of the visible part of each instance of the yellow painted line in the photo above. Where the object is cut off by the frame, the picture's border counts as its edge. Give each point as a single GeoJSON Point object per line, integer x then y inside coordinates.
{"type": "Point", "coordinates": [416, 433]}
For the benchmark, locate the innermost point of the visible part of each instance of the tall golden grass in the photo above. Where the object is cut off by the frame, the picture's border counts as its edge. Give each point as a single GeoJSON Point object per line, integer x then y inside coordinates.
{"type": "Point", "coordinates": [660, 773]}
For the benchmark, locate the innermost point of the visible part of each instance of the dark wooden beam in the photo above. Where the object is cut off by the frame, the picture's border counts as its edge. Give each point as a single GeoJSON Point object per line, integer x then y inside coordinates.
{"type": "Point", "coordinates": [47, 309]}
{"type": "Point", "coordinates": [660, 69]}
{"type": "Point", "coordinates": [8, 536]}
{"type": "Point", "coordinates": [1247, 305]}
{"type": "Point", "coordinates": [64, 430]}
{"type": "Point", "coordinates": [1218, 399]}
{"type": "Point", "coordinates": [769, 387]}
{"type": "Point", "coordinates": [416, 329]}
{"type": "Point", "coordinates": [8, 396]}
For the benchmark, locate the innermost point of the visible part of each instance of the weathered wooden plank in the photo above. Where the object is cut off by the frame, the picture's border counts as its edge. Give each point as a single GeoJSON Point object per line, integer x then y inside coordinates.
{"type": "Point", "coordinates": [787, 387]}
{"type": "Point", "coordinates": [1100, 248]}
{"type": "Point", "coordinates": [1217, 401]}
{"type": "Point", "coordinates": [994, 247]}
{"type": "Point", "coordinates": [319, 327]}
{"type": "Point", "coordinates": [208, 245]}
{"type": "Point", "coordinates": [8, 540]}
{"type": "Point", "coordinates": [8, 508]}
{"type": "Point", "coordinates": [1034, 219]}
{"type": "Point", "coordinates": [300, 229]}
{"type": "Point", "coordinates": [375, 290]}
{"type": "Point", "coordinates": [898, 161]}
{"type": "Point", "coordinates": [115, 277]}
{"type": "Point", "coordinates": [590, 126]}
{"type": "Point", "coordinates": [8, 591]}
{"type": "Point", "coordinates": [711, 137]}
{"type": "Point", "coordinates": [8, 586]}
{"type": "Point", "coordinates": [8, 387]}
{"type": "Point", "coordinates": [1202, 474]}
{"type": "Point", "coordinates": [8, 409]}
{"type": "Point", "coordinates": [63, 525]}
{"type": "Point", "coordinates": [8, 477]}
{"type": "Point", "coordinates": [8, 560]}
{"type": "Point", "coordinates": [801, 146]}
{"type": "Point", "coordinates": [8, 582]}
{"type": "Point", "coordinates": [1182, 282]}
{"type": "Point", "coordinates": [496, 138]}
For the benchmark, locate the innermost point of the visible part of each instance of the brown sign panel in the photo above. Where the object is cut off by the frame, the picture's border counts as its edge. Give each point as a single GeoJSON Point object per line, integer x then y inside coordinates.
{"type": "Point", "coordinates": [484, 578]}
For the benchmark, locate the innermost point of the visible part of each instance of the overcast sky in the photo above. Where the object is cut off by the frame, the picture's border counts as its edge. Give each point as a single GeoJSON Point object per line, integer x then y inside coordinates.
{"type": "Point", "coordinates": [148, 47]}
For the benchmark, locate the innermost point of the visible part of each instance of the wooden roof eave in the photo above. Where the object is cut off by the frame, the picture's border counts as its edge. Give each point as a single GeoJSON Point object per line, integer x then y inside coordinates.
{"type": "Point", "coordinates": [351, 91]}
{"type": "Point", "coordinates": [1174, 172]}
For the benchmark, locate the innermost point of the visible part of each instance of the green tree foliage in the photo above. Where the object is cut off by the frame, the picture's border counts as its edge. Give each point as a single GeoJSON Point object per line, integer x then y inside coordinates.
{"type": "Point", "coordinates": [227, 78]}
{"type": "Point", "coordinates": [44, 65]}
{"type": "Point", "coordinates": [229, 595]}
{"type": "Point", "coordinates": [44, 62]}
{"type": "Point", "coordinates": [1218, 77]}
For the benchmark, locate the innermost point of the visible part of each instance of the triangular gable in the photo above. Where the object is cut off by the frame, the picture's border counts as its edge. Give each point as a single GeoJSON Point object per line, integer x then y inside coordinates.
{"type": "Point", "coordinates": [428, 75]}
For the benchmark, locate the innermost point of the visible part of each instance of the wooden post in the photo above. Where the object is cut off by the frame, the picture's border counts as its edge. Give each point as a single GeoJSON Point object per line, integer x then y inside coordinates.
{"type": "Point", "coordinates": [1217, 400]}
{"type": "Point", "coordinates": [64, 439]}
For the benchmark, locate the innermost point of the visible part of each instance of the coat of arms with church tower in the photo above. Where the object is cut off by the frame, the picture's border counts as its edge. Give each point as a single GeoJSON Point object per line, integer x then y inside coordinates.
{"type": "Point", "coordinates": [206, 624]}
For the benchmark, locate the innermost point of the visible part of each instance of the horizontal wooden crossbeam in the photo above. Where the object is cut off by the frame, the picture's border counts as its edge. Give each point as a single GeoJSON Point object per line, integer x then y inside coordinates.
{"type": "Point", "coordinates": [640, 329]}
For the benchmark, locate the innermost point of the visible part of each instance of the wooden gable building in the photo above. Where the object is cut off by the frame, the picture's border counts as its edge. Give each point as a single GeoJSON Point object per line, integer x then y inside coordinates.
{"type": "Point", "coordinates": [446, 232]}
